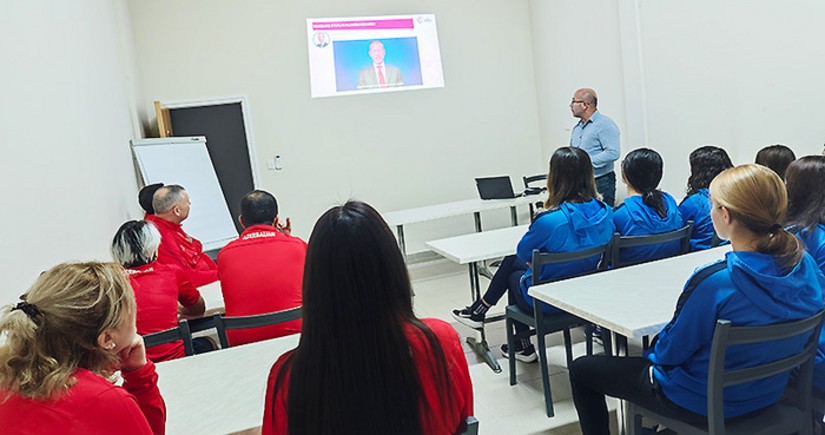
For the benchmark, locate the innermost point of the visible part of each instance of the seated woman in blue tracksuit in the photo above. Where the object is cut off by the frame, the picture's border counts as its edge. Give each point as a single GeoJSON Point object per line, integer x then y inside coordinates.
{"type": "Point", "coordinates": [767, 278]}
{"type": "Point", "coordinates": [646, 210]}
{"type": "Point", "coordinates": [705, 163]}
{"type": "Point", "coordinates": [805, 179]}
{"type": "Point", "coordinates": [575, 220]}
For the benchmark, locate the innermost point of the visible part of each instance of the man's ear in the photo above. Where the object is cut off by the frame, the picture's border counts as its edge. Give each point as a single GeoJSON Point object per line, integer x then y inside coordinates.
{"type": "Point", "coordinates": [240, 221]}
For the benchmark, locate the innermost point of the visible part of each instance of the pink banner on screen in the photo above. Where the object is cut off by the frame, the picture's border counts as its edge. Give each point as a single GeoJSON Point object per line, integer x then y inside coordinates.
{"type": "Point", "coordinates": [403, 23]}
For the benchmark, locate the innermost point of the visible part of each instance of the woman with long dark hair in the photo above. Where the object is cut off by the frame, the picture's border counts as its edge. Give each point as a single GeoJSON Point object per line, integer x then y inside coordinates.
{"type": "Point", "coordinates": [777, 157]}
{"type": "Point", "coordinates": [575, 220]}
{"type": "Point", "coordinates": [365, 363]}
{"type": "Point", "coordinates": [767, 278]}
{"type": "Point", "coordinates": [706, 162]}
{"type": "Point", "coordinates": [805, 180]}
{"type": "Point", "coordinates": [646, 210]}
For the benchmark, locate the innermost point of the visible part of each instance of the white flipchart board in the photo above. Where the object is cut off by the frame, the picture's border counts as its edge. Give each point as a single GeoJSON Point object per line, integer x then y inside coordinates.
{"type": "Point", "coordinates": [185, 161]}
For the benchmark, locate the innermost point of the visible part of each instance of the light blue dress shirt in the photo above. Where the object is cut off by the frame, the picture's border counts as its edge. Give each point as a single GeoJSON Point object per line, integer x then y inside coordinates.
{"type": "Point", "coordinates": [599, 137]}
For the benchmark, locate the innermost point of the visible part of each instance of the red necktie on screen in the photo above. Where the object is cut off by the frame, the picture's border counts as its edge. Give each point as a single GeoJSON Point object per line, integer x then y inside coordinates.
{"type": "Point", "coordinates": [381, 80]}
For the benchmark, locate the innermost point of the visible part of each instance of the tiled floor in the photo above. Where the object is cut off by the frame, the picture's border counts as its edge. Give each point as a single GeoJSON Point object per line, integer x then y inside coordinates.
{"type": "Point", "coordinates": [441, 286]}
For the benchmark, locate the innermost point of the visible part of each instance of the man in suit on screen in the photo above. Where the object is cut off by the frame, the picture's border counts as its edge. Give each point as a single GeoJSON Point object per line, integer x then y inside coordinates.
{"type": "Point", "coordinates": [379, 75]}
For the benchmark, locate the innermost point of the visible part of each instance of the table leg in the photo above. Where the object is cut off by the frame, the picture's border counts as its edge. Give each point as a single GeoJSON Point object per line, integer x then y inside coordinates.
{"type": "Point", "coordinates": [477, 218]}
{"type": "Point", "coordinates": [622, 416]}
{"type": "Point", "coordinates": [480, 347]}
{"type": "Point", "coordinates": [401, 243]}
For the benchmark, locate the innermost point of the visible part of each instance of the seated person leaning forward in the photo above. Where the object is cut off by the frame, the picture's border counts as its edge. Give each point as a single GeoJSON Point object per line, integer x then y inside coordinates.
{"type": "Point", "coordinates": [365, 364]}
{"type": "Point", "coordinates": [171, 206]}
{"type": "Point", "coordinates": [74, 328]}
{"type": "Point", "coordinates": [261, 272]}
{"type": "Point", "coordinates": [646, 210]}
{"type": "Point", "coordinates": [575, 220]}
{"type": "Point", "coordinates": [159, 288]}
{"type": "Point", "coordinates": [767, 278]}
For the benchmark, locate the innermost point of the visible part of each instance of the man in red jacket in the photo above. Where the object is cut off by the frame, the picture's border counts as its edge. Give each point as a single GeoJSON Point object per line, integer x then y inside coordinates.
{"type": "Point", "coordinates": [171, 207]}
{"type": "Point", "coordinates": [261, 272]}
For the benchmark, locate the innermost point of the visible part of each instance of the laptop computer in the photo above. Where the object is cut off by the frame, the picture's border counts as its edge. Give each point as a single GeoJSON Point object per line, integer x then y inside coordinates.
{"type": "Point", "coordinates": [495, 187]}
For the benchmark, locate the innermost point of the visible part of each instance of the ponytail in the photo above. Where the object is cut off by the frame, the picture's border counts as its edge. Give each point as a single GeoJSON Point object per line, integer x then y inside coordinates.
{"type": "Point", "coordinates": [655, 200]}
{"type": "Point", "coordinates": [756, 197]}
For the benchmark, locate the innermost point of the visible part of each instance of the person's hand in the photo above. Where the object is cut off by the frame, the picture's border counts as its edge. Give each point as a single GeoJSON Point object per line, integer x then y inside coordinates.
{"type": "Point", "coordinates": [133, 357]}
{"type": "Point", "coordinates": [284, 228]}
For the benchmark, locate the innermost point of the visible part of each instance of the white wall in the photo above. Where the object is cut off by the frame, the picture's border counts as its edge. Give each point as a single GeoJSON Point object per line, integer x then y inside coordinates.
{"type": "Point", "coordinates": [65, 125]}
{"type": "Point", "coordinates": [741, 74]}
{"type": "Point", "coordinates": [396, 150]}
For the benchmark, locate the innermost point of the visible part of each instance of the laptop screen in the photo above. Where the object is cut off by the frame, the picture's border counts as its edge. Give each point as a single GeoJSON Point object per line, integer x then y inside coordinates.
{"type": "Point", "coordinates": [495, 187]}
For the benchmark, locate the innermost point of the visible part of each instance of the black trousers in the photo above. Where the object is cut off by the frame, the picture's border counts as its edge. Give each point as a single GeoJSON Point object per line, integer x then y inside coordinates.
{"type": "Point", "coordinates": [628, 378]}
{"type": "Point", "coordinates": [507, 279]}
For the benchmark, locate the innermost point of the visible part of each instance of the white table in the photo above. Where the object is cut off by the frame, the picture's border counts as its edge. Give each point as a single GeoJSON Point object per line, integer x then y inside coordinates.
{"type": "Point", "coordinates": [633, 301]}
{"type": "Point", "coordinates": [213, 297]}
{"type": "Point", "coordinates": [221, 391]}
{"type": "Point", "coordinates": [473, 250]}
{"type": "Point", "coordinates": [400, 218]}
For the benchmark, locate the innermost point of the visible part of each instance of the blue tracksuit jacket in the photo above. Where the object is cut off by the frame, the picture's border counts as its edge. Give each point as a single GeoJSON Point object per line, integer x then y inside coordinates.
{"type": "Point", "coordinates": [746, 288]}
{"type": "Point", "coordinates": [635, 218]}
{"type": "Point", "coordinates": [571, 227]}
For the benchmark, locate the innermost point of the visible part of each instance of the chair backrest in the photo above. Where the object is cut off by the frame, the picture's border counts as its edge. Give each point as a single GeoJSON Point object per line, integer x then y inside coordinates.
{"type": "Point", "coordinates": [180, 332]}
{"type": "Point", "coordinates": [229, 323]}
{"type": "Point", "coordinates": [469, 426]}
{"type": "Point", "coordinates": [545, 258]}
{"type": "Point", "coordinates": [622, 242]}
{"type": "Point", "coordinates": [532, 179]}
{"type": "Point", "coordinates": [726, 335]}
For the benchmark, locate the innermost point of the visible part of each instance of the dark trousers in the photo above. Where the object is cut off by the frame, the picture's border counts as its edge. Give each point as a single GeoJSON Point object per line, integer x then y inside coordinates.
{"type": "Point", "coordinates": [628, 378]}
{"type": "Point", "coordinates": [606, 185]}
{"type": "Point", "coordinates": [202, 345]}
{"type": "Point", "coordinates": [507, 279]}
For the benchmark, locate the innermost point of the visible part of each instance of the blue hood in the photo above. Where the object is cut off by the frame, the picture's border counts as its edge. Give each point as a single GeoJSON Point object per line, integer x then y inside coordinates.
{"type": "Point", "coordinates": [645, 218]}
{"type": "Point", "coordinates": [587, 220]}
{"type": "Point", "coordinates": [760, 278]}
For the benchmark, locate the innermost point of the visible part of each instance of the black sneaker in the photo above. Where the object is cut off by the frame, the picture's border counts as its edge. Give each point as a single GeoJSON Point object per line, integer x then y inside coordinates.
{"type": "Point", "coordinates": [527, 354]}
{"type": "Point", "coordinates": [467, 317]}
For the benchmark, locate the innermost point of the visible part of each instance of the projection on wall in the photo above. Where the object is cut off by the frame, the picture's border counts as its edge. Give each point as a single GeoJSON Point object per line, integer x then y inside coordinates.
{"type": "Point", "coordinates": [350, 56]}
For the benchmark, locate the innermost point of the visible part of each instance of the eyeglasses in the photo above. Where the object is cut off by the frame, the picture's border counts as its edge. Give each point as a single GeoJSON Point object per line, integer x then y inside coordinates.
{"type": "Point", "coordinates": [574, 101]}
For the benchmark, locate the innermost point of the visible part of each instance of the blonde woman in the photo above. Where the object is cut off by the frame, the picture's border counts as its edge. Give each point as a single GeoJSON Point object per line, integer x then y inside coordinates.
{"type": "Point", "coordinates": [767, 278]}
{"type": "Point", "coordinates": [72, 330]}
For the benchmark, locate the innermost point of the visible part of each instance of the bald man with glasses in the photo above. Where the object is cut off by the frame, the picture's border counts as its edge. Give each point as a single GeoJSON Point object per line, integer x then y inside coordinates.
{"type": "Point", "coordinates": [598, 135]}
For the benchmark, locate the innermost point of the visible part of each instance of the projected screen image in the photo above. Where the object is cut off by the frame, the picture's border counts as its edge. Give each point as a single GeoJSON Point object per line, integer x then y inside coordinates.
{"type": "Point", "coordinates": [375, 54]}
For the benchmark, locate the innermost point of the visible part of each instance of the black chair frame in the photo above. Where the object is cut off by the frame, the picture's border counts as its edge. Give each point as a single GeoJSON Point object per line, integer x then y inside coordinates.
{"type": "Point", "coordinates": [180, 332]}
{"type": "Point", "coordinates": [777, 419]}
{"type": "Point", "coordinates": [224, 323]}
{"type": "Point", "coordinates": [621, 242]}
{"type": "Point", "coordinates": [542, 324]}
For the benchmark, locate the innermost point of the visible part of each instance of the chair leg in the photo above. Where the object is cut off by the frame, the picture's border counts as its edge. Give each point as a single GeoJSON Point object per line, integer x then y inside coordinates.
{"type": "Point", "coordinates": [511, 347]}
{"type": "Point", "coordinates": [607, 341]}
{"type": "Point", "coordinates": [588, 339]}
{"type": "Point", "coordinates": [568, 346]}
{"type": "Point", "coordinates": [542, 351]}
{"type": "Point", "coordinates": [634, 420]}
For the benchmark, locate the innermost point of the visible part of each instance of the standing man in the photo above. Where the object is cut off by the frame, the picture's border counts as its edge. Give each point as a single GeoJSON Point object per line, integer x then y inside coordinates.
{"type": "Point", "coordinates": [262, 271]}
{"type": "Point", "coordinates": [598, 135]}
{"type": "Point", "coordinates": [171, 206]}
{"type": "Point", "coordinates": [379, 75]}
